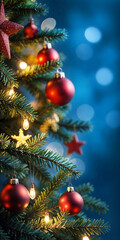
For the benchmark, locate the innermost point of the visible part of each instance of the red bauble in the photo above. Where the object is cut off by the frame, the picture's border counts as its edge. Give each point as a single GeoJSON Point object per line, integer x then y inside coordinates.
{"type": "Point", "coordinates": [14, 196]}
{"type": "Point", "coordinates": [59, 90]}
{"type": "Point", "coordinates": [30, 29]}
{"type": "Point", "coordinates": [71, 202]}
{"type": "Point", "coordinates": [47, 54]}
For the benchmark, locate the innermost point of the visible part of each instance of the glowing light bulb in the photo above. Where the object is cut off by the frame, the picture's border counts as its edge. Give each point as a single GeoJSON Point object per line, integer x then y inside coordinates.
{"type": "Point", "coordinates": [11, 92]}
{"type": "Point", "coordinates": [85, 238]}
{"type": "Point", "coordinates": [32, 192]}
{"type": "Point", "coordinates": [47, 217]}
{"type": "Point", "coordinates": [23, 65]}
{"type": "Point", "coordinates": [25, 124]}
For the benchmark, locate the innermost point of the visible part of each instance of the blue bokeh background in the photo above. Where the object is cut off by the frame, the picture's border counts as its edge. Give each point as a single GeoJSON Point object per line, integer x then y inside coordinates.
{"type": "Point", "coordinates": [101, 153]}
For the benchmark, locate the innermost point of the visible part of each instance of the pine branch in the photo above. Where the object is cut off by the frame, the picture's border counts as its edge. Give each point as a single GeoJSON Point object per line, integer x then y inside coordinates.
{"type": "Point", "coordinates": [7, 76]}
{"type": "Point", "coordinates": [24, 231]}
{"type": "Point", "coordinates": [71, 125]}
{"type": "Point", "coordinates": [61, 135]}
{"type": "Point", "coordinates": [78, 227]}
{"type": "Point", "coordinates": [40, 203]}
{"type": "Point", "coordinates": [15, 106]}
{"type": "Point", "coordinates": [95, 204]}
{"type": "Point", "coordinates": [12, 166]}
{"type": "Point", "coordinates": [3, 234]}
{"type": "Point", "coordinates": [38, 140]}
{"type": "Point", "coordinates": [34, 72]}
{"type": "Point", "coordinates": [42, 157]}
{"type": "Point", "coordinates": [51, 35]}
{"type": "Point", "coordinates": [22, 9]}
{"type": "Point", "coordinates": [85, 188]}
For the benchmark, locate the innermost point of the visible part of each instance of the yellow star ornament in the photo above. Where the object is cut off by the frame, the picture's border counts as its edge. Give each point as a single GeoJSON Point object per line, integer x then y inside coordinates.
{"type": "Point", "coordinates": [21, 139]}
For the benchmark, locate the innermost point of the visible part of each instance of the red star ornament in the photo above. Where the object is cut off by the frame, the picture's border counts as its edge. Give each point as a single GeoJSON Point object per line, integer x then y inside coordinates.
{"type": "Point", "coordinates": [75, 145]}
{"type": "Point", "coordinates": [7, 28]}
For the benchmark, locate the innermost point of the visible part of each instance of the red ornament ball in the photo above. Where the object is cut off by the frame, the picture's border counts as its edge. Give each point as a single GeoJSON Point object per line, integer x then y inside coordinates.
{"type": "Point", "coordinates": [47, 54]}
{"type": "Point", "coordinates": [71, 202]}
{"type": "Point", "coordinates": [15, 197]}
{"type": "Point", "coordinates": [59, 91]}
{"type": "Point", "coordinates": [30, 29]}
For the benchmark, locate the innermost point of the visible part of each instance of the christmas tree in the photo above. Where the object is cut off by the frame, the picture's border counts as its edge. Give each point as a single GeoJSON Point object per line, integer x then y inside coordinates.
{"type": "Point", "coordinates": [25, 128]}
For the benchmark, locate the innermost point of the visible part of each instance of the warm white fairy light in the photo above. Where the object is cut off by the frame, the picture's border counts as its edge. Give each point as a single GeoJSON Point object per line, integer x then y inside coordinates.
{"type": "Point", "coordinates": [23, 65]}
{"type": "Point", "coordinates": [25, 124]}
{"type": "Point", "coordinates": [47, 217]}
{"type": "Point", "coordinates": [11, 92]}
{"type": "Point", "coordinates": [86, 238]}
{"type": "Point", "coordinates": [32, 192]}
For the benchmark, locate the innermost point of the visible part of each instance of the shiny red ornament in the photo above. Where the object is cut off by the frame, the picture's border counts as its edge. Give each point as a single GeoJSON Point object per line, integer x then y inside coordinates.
{"type": "Point", "coordinates": [14, 196]}
{"type": "Point", "coordinates": [75, 145]}
{"type": "Point", "coordinates": [59, 90]}
{"type": "Point", "coordinates": [7, 28]}
{"type": "Point", "coordinates": [71, 202]}
{"type": "Point", "coordinates": [30, 29]}
{"type": "Point", "coordinates": [47, 54]}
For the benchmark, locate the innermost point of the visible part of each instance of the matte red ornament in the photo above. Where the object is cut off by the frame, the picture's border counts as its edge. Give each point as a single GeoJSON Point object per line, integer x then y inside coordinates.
{"type": "Point", "coordinates": [75, 145]}
{"type": "Point", "coordinates": [30, 29]}
{"type": "Point", "coordinates": [14, 196]}
{"type": "Point", "coordinates": [71, 202]}
{"type": "Point", "coordinates": [59, 90]}
{"type": "Point", "coordinates": [7, 28]}
{"type": "Point", "coordinates": [47, 54]}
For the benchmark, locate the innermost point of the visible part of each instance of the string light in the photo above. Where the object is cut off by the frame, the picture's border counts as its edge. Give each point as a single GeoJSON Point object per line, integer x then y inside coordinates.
{"type": "Point", "coordinates": [86, 238]}
{"type": "Point", "coordinates": [11, 92]}
{"type": "Point", "coordinates": [32, 192]}
{"type": "Point", "coordinates": [25, 124]}
{"type": "Point", "coordinates": [47, 217]}
{"type": "Point", "coordinates": [22, 65]}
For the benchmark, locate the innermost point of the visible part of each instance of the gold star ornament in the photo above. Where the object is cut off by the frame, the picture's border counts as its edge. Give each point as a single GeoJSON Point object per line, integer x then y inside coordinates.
{"type": "Point", "coordinates": [21, 139]}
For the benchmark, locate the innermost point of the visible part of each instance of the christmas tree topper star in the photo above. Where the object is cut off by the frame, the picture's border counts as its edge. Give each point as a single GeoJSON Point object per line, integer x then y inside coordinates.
{"type": "Point", "coordinates": [21, 139]}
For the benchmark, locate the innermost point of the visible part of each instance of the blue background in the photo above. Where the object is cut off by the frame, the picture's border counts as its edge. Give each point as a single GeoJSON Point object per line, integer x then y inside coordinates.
{"type": "Point", "coordinates": [101, 153]}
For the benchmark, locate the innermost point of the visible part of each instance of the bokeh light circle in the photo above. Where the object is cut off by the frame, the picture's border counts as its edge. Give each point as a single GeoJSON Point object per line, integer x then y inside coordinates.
{"type": "Point", "coordinates": [113, 119]}
{"type": "Point", "coordinates": [48, 23]}
{"type": "Point", "coordinates": [79, 163]}
{"type": "Point", "coordinates": [85, 112]}
{"type": "Point", "coordinates": [104, 76]}
{"type": "Point", "coordinates": [93, 34]}
{"type": "Point", "coordinates": [84, 51]}
{"type": "Point", "coordinates": [55, 147]}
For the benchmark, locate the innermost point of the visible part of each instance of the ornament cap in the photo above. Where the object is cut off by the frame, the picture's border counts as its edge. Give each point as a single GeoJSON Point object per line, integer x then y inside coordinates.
{"type": "Point", "coordinates": [32, 185]}
{"type": "Point", "coordinates": [59, 75]}
{"type": "Point", "coordinates": [14, 181]}
{"type": "Point", "coordinates": [31, 20]}
{"type": "Point", "coordinates": [47, 45]}
{"type": "Point", "coordinates": [70, 189]}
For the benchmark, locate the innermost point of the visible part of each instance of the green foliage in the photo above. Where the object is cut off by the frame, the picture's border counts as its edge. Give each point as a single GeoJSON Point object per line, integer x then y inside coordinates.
{"type": "Point", "coordinates": [15, 106]}
{"type": "Point", "coordinates": [36, 72]}
{"type": "Point", "coordinates": [7, 76]}
{"type": "Point", "coordinates": [11, 166]}
{"type": "Point", "coordinates": [85, 188]}
{"type": "Point", "coordinates": [71, 125]}
{"type": "Point", "coordinates": [51, 35]}
{"type": "Point", "coordinates": [95, 204]}
{"type": "Point", "coordinates": [3, 235]}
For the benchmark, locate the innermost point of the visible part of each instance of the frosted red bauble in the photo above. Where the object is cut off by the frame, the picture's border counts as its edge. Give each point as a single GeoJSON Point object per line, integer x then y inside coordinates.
{"type": "Point", "coordinates": [47, 55]}
{"type": "Point", "coordinates": [15, 197]}
{"type": "Point", "coordinates": [59, 91]}
{"type": "Point", "coordinates": [71, 202]}
{"type": "Point", "coordinates": [30, 30]}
